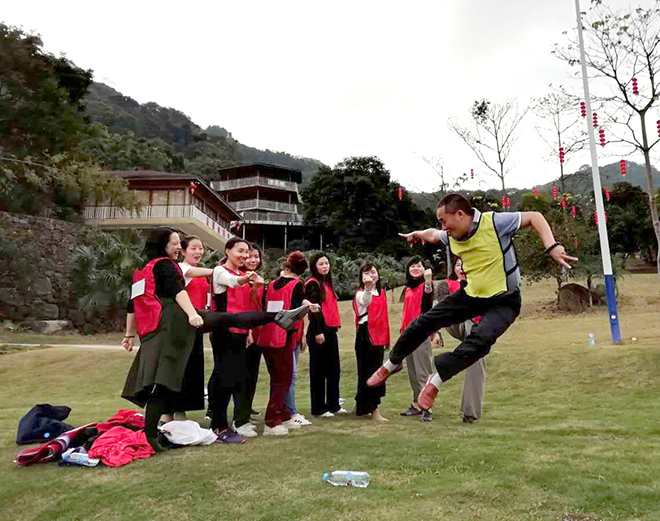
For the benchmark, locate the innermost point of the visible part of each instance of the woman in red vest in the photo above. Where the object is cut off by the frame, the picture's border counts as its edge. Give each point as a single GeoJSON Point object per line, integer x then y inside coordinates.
{"type": "Point", "coordinates": [161, 314]}
{"type": "Point", "coordinates": [417, 299]}
{"type": "Point", "coordinates": [324, 369]}
{"type": "Point", "coordinates": [277, 346]}
{"type": "Point", "coordinates": [254, 262]}
{"type": "Point", "coordinates": [373, 337]}
{"type": "Point", "coordinates": [198, 289]}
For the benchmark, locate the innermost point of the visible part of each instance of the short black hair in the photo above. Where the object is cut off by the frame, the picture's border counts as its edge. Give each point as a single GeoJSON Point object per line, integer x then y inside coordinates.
{"type": "Point", "coordinates": [455, 202]}
{"type": "Point", "coordinates": [413, 260]}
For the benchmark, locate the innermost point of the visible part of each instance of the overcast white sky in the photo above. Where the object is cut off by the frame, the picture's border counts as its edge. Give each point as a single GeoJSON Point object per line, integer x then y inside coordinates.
{"type": "Point", "coordinates": [327, 78]}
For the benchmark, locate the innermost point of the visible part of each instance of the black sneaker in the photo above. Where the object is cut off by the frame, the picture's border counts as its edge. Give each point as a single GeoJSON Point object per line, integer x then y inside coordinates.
{"type": "Point", "coordinates": [470, 419]}
{"type": "Point", "coordinates": [412, 411]}
{"type": "Point", "coordinates": [427, 416]}
{"type": "Point", "coordinates": [287, 318]}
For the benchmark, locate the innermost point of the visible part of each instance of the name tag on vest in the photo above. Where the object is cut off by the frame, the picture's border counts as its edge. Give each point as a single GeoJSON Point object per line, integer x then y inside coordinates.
{"type": "Point", "coordinates": [138, 288]}
{"type": "Point", "coordinates": [275, 306]}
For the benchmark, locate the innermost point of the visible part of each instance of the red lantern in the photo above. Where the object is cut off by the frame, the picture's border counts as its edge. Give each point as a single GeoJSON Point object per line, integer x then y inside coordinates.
{"type": "Point", "coordinates": [535, 191]}
{"type": "Point", "coordinates": [192, 187]}
{"type": "Point", "coordinates": [503, 202]}
{"type": "Point", "coordinates": [508, 202]}
{"type": "Point", "coordinates": [595, 120]}
{"type": "Point", "coordinates": [400, 193]}
{"type": "Point", "coordinates": [601, 134]}
{"type": "Point", "coordinates": [635, 88]}
{"type": "Point", "coordinates": [583, 109]}
{"type": "Point", "coordinates": [471, 173]}
{"type": "Point", "coordinates": [563, 202]}
{"type": "Point", "coordinates": [659, 127]}
{"type": "Point", "coordinates": [561, 154]}
{"type": "Point", "coordinates": [607, 194]}
{"type": "Point", "coordinates": [554, 193]}
{"type": "Point", "coordinates": [596, 216]}
{"type": "Point", "coordinates": [623, 165]}
{"type": "Point", "coordinates": [574, 211]}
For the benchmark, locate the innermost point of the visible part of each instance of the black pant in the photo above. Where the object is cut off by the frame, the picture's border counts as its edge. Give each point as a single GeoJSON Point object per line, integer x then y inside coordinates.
{"type": "Point", "coordinates": [214, 321]}
{"type": "Point", "coordinates": [161, 401]}
{"type": "Point", "coordinates": [253, 359]}
{"type": "Point", "coordinates": [497, 314]}
{"type": "Point", "coordinates": [324, 373]}
{"type": "Point", "coordinates": [228, 379]}
{"type": "Point", "coordinates": [369, 359]}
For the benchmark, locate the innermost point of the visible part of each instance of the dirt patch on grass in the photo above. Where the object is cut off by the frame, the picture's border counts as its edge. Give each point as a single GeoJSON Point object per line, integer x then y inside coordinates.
{"type": "Point", "coordinates": [10, 349]}
{"type": "Point", "coordinates": [580, 517]}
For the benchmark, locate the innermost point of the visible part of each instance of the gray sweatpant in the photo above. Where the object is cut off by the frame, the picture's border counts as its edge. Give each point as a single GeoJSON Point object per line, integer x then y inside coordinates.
{"type": "Point", "coordinates": [420, 367]}
{"type": "Point", "coordinates": [473, 387]}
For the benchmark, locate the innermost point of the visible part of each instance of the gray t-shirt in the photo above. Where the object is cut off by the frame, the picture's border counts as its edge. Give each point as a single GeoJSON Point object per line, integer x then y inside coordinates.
{"type": "Point", "coordinates": [506, 225]}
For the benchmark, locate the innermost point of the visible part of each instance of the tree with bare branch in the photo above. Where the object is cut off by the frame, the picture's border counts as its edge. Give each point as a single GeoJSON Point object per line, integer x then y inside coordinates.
{"type": "Point", "coordinates": [559, 126]}
{"type": "Point", "coordinates": [492, 133]}
{"type": "Point", "coordinates": [623, 53]}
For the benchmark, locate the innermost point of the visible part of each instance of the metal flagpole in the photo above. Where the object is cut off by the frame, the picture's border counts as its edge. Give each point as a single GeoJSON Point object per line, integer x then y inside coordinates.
{"type": "Point", "coordinates": [598, 195]}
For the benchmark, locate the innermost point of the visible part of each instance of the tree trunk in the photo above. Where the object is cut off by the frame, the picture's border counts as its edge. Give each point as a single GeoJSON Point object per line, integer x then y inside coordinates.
{"type": "Point", "coordinates": [591, 297]}
{"type": "Point", "coordinates": [650, 189]}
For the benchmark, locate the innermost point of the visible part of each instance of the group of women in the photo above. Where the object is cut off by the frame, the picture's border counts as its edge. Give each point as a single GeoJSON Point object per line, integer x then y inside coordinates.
{"type": "Point", "coordinates": [174, 303]}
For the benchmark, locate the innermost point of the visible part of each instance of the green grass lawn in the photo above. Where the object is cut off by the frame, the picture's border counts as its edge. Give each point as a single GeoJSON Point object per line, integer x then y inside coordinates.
{"type": "Point", "coordinates": [567, 430]}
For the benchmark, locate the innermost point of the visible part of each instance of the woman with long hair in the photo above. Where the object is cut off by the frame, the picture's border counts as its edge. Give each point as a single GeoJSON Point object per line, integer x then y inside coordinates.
{"type": "Point", "coordinates": [254, 263]}
{"type": "Point", "coordinates": [372, 338]}
{"type": "Point", "coordinates": [417, 299]}
{"type": "Point", "coordinates": [161, 314]}
{"type": "Point", "coordinates": [322, 339]}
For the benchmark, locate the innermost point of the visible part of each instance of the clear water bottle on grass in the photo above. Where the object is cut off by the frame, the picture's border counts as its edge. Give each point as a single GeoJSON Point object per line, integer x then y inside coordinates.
{"type": "Point", "coordinates": [347, 478]}
{"type": "Point", "coordinates": [592, 339]}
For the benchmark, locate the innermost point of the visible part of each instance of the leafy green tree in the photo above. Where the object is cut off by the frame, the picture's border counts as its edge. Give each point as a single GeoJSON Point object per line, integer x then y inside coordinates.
{"type": "Point", "coordinates": [103, 270]}
{"type": "Point", "coordinates": [357, 206]}
{"type": "Point", "coordinates": [40, 96]}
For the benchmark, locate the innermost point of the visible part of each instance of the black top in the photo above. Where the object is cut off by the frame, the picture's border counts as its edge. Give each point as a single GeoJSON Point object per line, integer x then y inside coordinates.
{"type": "Point", "coordinates": [169, 282]}
{"type": "Point", "coordinates": [316, 320]}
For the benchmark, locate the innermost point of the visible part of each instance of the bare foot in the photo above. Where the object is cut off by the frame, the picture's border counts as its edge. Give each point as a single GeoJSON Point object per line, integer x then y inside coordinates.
{"type": "Point", "coordinates": [378, 417]}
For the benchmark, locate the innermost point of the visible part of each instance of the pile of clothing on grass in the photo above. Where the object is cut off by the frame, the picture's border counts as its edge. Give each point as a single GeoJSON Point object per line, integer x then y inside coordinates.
{"type": "Point", "coordinates": [114, 443]}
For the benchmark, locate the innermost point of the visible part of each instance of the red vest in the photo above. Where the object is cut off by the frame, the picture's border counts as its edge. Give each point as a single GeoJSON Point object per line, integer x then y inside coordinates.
{"type": "Point", "coordinates": [198, 291]}
{"type": "Point", "coordinates": [378, 320]}
{"type": "Point", "coordinates": [272, 335]}
{"type": "Point", "coordinates": [256, 303]}
{"type": "Point", "coordinates": [238, 301]}
{"type": "Point", "coordinates": [329, 306]}
{"type": "Point", "coordinates": [148, 307]}
{"type": "Point", "coordinates": [454, 285]}
{"type": "Point", "coordinates": [412, 305]}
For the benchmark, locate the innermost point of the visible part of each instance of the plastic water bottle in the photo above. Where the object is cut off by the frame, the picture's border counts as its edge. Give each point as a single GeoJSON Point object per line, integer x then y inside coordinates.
{"type": "Point", "coordinates": [347, 478]}
{"type": "Point", "coordinates": [592, 339]}
{"type": "Point", "coordinates": [79, 458]}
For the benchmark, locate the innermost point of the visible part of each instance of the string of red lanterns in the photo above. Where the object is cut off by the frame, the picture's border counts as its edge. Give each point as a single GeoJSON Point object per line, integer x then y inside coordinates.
{"type": "Point", "coordinates": [623, 162]}
{"type": "Point", "coordinates": [635, 89]}
{"type": "Point", "coordinates": [561, 154]}
{"type": "Point", "coordinates": [471, 173]}
{"type": "Point", "coordinates": [601, 134]}
{"type": "Point", "coordinates": [400, 193]}
{"type": "Point", "coordinates": [574, 211]}
{"type": "Point", "coordinates": [595, 120]}
{"type": "Point", "coordinates": [563, 202]}
{"type": "Point", "coordinates": [535, 191]}
{"type": "Point", "coordinates": [583, 109]}
{"type": "Point", "coordinates": [607, 194]}
{"type": "Point", "coordinates": [554, 193]}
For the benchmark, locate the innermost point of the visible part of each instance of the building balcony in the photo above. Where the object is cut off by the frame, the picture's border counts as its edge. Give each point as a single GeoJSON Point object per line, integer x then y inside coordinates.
{"type": "Point", "coordinates": [292, 219]}
{"type": "Point", "coordinates": [246, 182]}
{"type": "Point", "coordinates": [185, 217]}
{"type": "Point", "coordinates": [263, 204]}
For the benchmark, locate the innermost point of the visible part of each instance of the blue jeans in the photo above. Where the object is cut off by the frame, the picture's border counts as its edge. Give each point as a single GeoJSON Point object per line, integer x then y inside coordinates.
{"type": "Point", "coordinates": [291, 397]}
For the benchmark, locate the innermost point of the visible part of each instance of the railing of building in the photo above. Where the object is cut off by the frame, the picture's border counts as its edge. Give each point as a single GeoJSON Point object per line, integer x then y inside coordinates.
{"type": "Point", "coordinates": [155, 212]}
{"type": "Point", "coordinates": [273, 217]}
{"type": "Point", "coordinates": [264, 204]}
{"type": "Point", "coordinates": [244, 182]}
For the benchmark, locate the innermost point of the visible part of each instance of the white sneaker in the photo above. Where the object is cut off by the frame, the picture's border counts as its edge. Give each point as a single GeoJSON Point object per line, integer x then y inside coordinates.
{"type": "Point", "coordinates": [341, 411]}
{"type": "Point", "coordinates": [278, 430]}
{"type": "Point", "coordinates": [291, 424]}
{"type": "Point", "coordinates": [299, 418]}
{"type": "Point", "coordinates": [247, 431]}
{"type": "Point", "coordinates": [342, 401]}
{"type": "Point", "coordinates": [327, 414]}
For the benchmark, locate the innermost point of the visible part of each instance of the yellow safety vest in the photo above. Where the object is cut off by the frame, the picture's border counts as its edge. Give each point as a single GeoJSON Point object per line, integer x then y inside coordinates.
{"type": "Point", "coordinates": [483, 260]}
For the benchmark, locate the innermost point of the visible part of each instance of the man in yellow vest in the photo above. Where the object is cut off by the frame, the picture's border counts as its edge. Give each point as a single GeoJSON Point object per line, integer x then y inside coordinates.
{"type": "Point", "coordinates": [484, 243]}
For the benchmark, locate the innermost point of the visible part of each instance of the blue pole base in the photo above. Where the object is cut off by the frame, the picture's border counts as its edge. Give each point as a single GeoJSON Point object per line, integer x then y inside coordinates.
{"type": "Point", "coordinates": [612, 309]}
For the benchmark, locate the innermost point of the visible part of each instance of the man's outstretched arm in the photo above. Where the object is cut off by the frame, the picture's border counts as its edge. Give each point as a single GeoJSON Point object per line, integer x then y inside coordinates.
{"type": "Point", "coordinates": [429, 235]}
{"type": "Point", "coordinates": [538, 222]}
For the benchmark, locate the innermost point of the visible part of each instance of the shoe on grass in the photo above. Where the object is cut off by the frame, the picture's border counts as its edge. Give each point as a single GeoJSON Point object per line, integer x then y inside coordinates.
{"type": "Point", "coordinates": [412, 411]}
{"type": "Point", "coordinates": [382, 374]}
{"type": "Point", "coordinates": [228, 436]}
{"type": "Point", "coordinates": [327, 414]}
{"type": "Point", "coordinates": [300, 419]}
{"type": "Point", "coordinates": [291, 424]}
{"type": "Point", "coordinates": [278, 430]}
{"type": "Point", "coordinates": [427, 416]}
{"type": "Point", "coordinates": [286, 319]}
{"type": "Point", "coordinates": [247, 431]}
{"type": "Point", "coordinates": [470, 419]}
{"type": "Point", "coordinates": [340, 411]}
